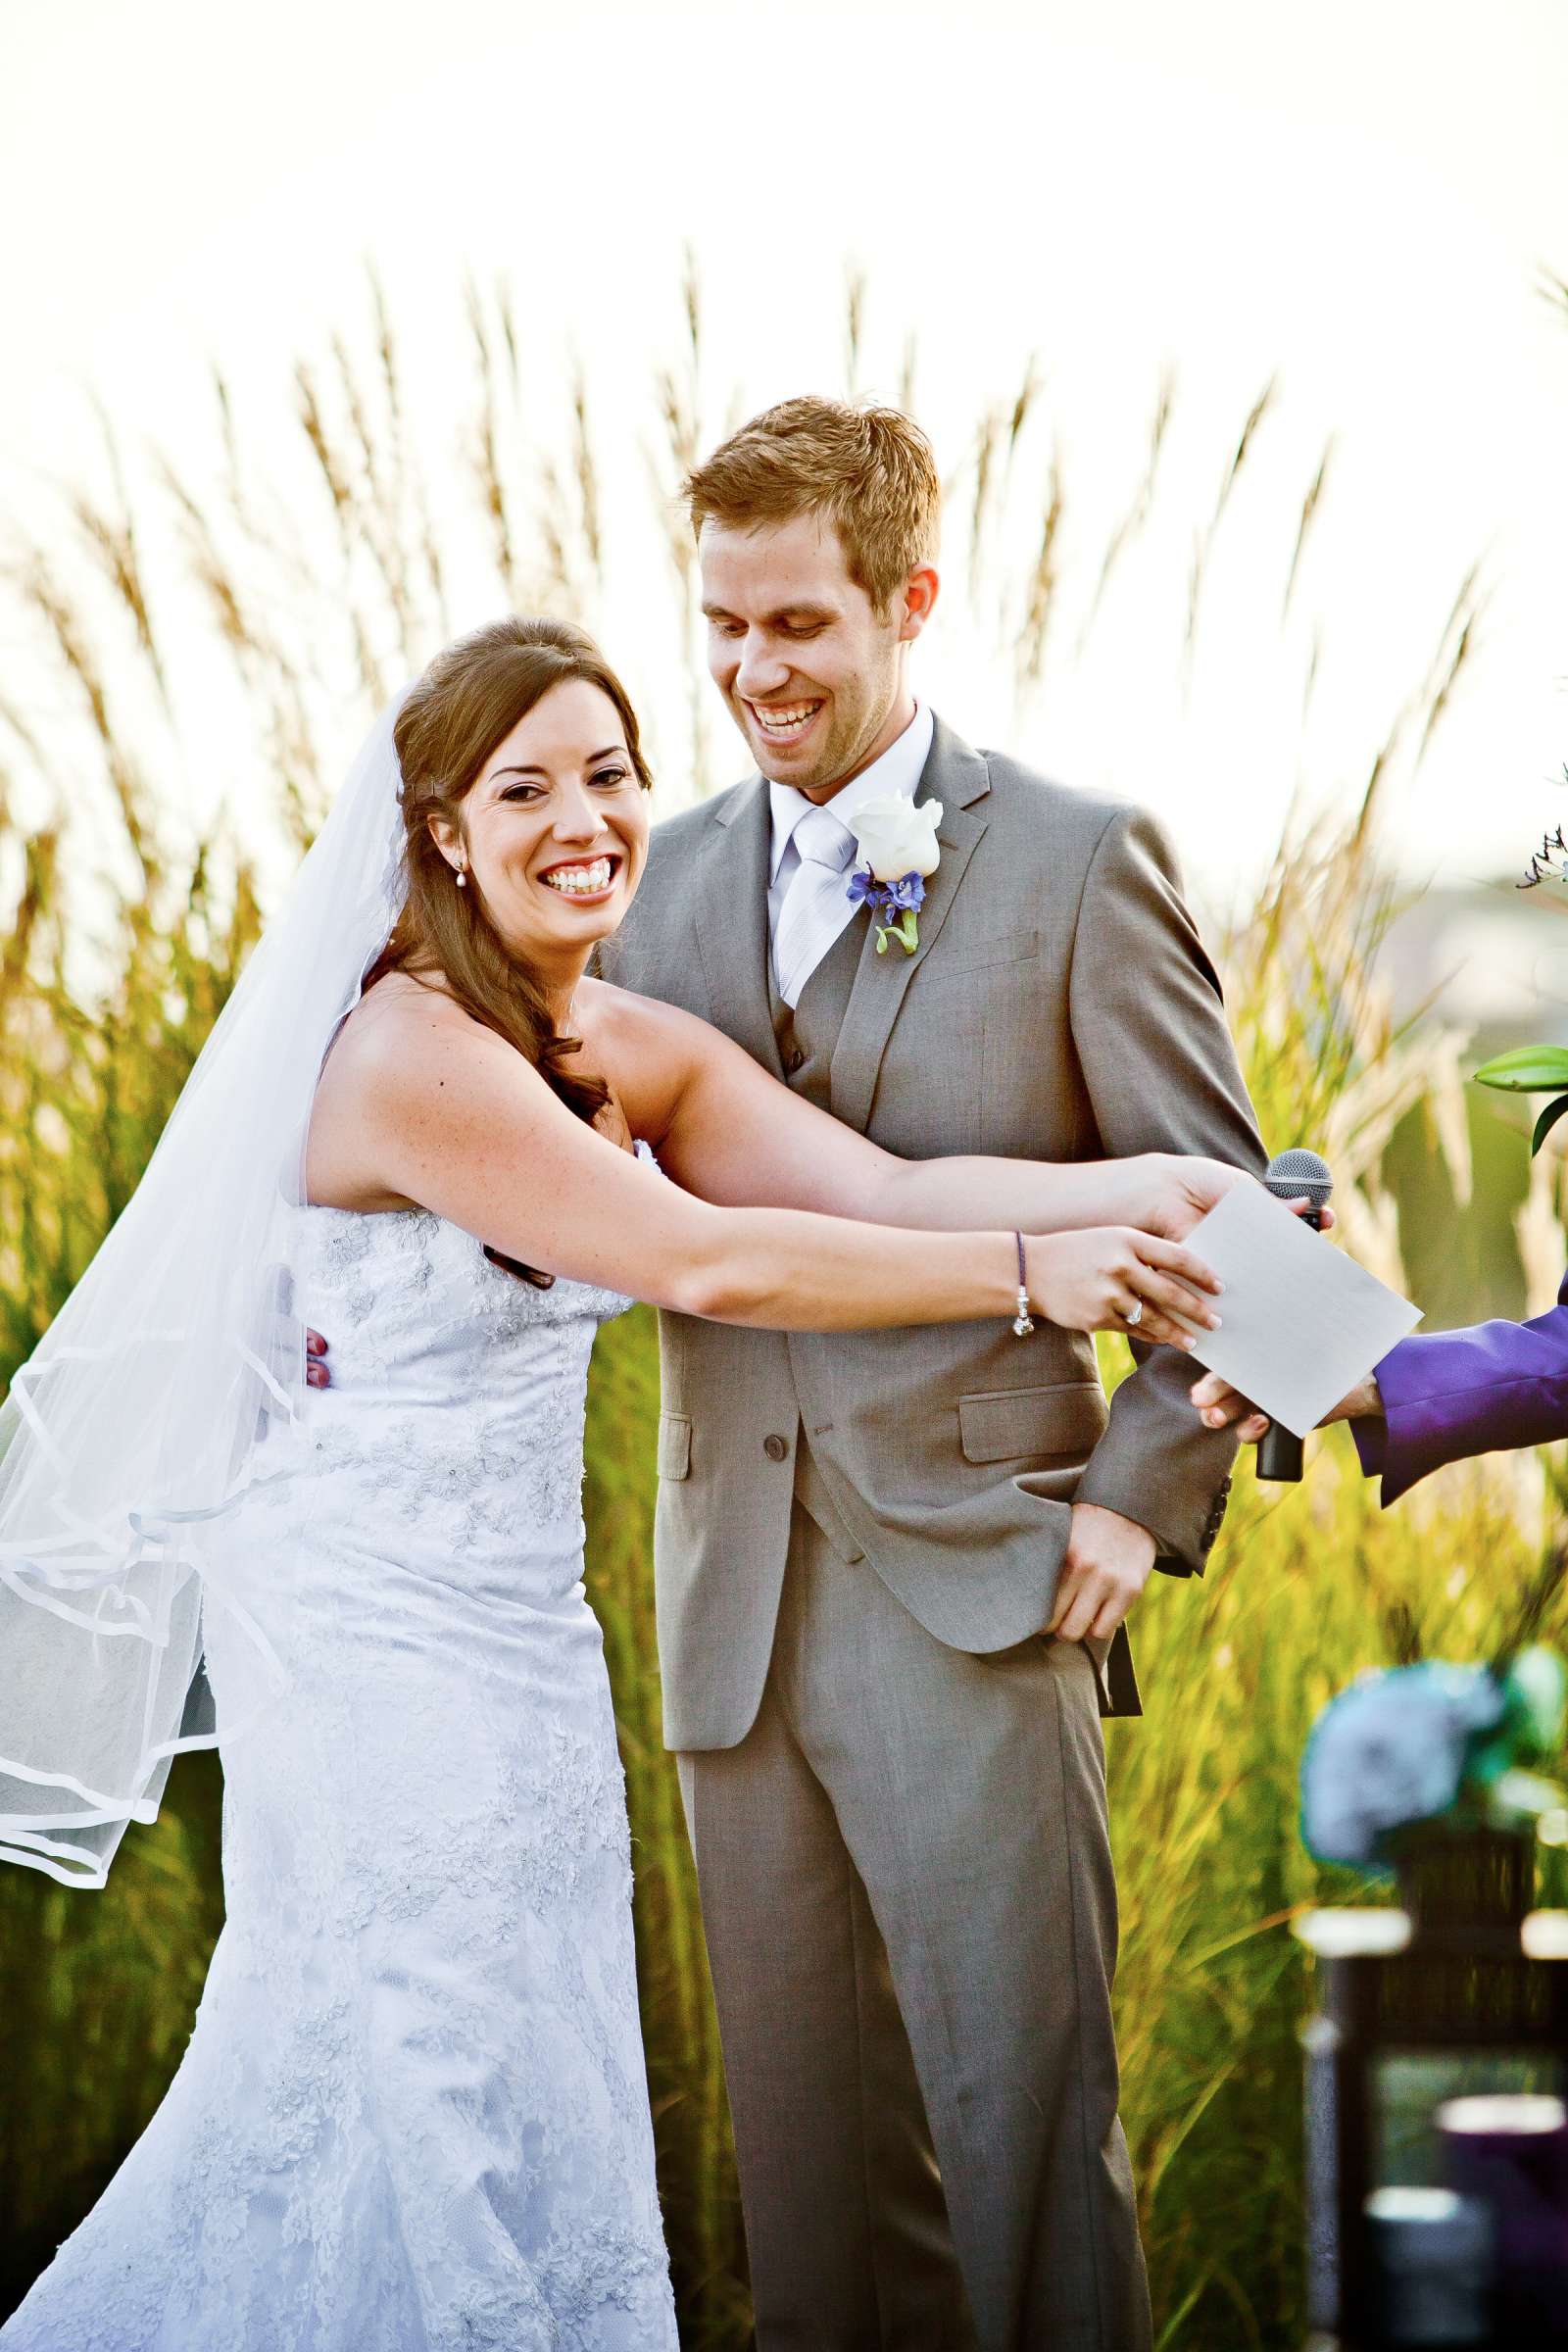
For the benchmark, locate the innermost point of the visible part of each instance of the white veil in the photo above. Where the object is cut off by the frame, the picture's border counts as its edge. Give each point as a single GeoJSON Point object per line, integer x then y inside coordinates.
{"type": "Point", "coordinates": [138, 1422]}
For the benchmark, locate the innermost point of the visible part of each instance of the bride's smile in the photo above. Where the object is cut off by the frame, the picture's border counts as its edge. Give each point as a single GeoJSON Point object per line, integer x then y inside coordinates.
{"type": "Point", "coordinates": [554, 834]}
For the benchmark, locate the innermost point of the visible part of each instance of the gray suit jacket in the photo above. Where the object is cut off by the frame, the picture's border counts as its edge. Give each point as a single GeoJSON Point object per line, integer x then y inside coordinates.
{"type": "Point", "coordinates": [1059, 1007]}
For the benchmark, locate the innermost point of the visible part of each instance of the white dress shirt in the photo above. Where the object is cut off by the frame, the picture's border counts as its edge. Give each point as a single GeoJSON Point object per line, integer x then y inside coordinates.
{"type": "Point", "coordinates": [899, 769]}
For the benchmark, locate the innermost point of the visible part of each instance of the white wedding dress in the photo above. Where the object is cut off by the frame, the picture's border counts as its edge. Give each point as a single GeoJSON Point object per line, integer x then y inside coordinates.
{"type": "Point", "coordinates": [414, 2114]}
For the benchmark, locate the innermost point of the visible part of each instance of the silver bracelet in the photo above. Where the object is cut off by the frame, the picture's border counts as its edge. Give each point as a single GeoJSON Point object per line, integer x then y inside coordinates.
{"type": "Point", "coordinates": [1023, 1322]}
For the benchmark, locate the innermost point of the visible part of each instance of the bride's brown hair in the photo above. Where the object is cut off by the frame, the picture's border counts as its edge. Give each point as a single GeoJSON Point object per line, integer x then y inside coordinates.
{"type": "Point", "coordinates": [466, 703]}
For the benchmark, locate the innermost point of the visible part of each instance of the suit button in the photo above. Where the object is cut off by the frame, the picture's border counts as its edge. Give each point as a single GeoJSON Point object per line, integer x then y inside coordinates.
{"type": "Point", "coordinates": [776, 1448]}
{"type": "Point", "coordinates": [793, 1060]}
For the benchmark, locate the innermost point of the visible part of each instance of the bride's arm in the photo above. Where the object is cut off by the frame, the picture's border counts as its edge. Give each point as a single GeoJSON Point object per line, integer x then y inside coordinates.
{"type": "Point", "coordinates": [727, 1129]}
{"type": "Point", "coordinates": [433, 1109]}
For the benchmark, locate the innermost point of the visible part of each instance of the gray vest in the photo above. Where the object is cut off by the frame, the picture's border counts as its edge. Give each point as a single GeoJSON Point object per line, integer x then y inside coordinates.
{"type": "Point", "coordinates": [807, 1037]}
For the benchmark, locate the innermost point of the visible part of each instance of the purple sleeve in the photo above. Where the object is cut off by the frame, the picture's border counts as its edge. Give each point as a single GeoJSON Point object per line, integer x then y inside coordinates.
{"type": "Point", "coordinates": [1450, 1393]}
{"type": "Point", "coordinates": [1372, 1443]}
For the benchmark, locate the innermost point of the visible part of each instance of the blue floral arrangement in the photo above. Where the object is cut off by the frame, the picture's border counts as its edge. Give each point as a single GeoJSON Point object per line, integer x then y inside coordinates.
{"type": "Point", "coordinates": [897, 903]}
{"type": "Point", "coordinates": [1433, 1746]}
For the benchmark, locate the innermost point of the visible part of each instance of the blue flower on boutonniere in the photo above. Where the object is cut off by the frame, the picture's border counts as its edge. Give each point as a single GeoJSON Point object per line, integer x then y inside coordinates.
{"type": "Point", "coordinates": [897, 840]}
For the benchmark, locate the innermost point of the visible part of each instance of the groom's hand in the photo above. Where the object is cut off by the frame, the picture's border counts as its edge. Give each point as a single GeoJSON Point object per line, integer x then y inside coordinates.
{"type": "Point", "coordinates": [1108, 1565]}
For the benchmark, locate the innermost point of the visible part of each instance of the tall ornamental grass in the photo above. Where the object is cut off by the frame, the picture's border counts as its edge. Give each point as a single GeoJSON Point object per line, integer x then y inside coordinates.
{"type": "Point", "coordinates": [292, 607]}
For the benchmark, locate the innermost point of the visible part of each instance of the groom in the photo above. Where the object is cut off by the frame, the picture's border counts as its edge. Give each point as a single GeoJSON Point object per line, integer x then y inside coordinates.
{"type": "Point", "coordinates": [893, 1773]}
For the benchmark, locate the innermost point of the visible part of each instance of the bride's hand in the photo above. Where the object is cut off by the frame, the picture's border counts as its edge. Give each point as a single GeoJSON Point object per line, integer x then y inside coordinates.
{"type": "Point", "coordinates": [1112, 1278]}
{"type": "Point", "coordinates": [1171, 1192]}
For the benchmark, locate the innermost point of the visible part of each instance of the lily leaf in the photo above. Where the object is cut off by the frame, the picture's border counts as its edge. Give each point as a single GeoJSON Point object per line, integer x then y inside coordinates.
{"type": "Point", "coordinates": [1547, 1122]}
{"type": "Point", "coordinates": [1526, 1069]}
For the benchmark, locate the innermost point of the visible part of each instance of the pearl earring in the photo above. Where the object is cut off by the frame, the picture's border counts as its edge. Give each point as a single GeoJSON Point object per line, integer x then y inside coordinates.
{"type": "Point", "coordinates": [462, 877]}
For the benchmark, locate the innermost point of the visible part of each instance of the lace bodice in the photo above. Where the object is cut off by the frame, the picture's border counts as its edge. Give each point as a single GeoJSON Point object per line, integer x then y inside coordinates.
{"type": "Point", "coordinates": [457, 1384]}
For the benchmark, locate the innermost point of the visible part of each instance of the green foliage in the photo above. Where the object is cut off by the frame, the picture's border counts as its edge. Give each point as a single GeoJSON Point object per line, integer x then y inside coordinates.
{"type": "Point", "coordinates": [1309, 1586]}
{"type": "Point", "coordinates": [1531, 1070]}
{"type": "Point", "coordinates": [303, 603]}
{"type": "Point", "coordinates": [97, 1993]}
{"type": "Point", "coordinates": [685, 2071]}
{"type": "Point", "coordinates": [1526, 1070]}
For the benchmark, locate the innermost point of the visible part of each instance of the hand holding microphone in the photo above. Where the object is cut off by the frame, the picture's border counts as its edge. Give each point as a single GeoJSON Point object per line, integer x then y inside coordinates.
{"type": "Point", "coordinates": [1304, 1323]}
{"type": "Point", "coordinates": [1296, 1178]}
{"type": "Point", "coordinates": [1290, 1176]}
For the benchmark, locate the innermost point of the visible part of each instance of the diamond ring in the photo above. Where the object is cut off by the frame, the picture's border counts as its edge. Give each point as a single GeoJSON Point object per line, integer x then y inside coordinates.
{"type": "Point", "coordinates": [1134, 1315]}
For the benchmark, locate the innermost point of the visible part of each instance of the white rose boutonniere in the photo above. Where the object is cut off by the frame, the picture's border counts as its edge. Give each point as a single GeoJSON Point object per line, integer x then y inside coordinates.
{"type": "Point", "coordinates": [897, 840]}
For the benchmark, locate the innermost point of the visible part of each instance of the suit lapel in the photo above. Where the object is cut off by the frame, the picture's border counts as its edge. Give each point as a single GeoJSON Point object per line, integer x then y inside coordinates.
{"type": "Point", "coordinates": [957, 777]}
{"type": "Point", "coordinates": [732, 921]}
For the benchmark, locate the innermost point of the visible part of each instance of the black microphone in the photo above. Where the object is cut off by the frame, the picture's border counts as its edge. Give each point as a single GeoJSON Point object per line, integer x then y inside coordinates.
{"type": "Point", "coordinates": [1287, 1176]}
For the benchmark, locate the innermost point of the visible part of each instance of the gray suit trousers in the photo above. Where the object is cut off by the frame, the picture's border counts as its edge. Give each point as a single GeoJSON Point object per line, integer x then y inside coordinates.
{"type": "Point", "coordinates": [909, 1907]}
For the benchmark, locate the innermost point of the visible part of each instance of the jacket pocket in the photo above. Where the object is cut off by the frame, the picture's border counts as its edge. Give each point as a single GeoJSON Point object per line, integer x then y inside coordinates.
{"type": "Point", "coordinates": [1010, 1425]}
{"type": "Point", "coordinates": [946, 963]}
{"type": "Point", "coordinates": [674, 1445]}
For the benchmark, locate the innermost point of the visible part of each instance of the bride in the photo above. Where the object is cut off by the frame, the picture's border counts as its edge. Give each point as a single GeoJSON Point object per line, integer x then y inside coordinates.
{"type": "Point", "coordinates": [413, 2112]}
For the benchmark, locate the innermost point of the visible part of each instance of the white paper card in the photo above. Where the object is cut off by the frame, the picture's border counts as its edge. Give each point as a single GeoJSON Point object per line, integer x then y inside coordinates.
{"type": "Point", "coordinates": [1300, 1322]}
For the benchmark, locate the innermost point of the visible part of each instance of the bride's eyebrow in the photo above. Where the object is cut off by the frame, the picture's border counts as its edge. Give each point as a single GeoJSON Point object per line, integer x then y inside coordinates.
{"type": "Point", "coordinates": [616, 751]}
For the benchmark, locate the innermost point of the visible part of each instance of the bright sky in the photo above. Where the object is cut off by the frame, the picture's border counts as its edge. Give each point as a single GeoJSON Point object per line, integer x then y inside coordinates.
{"type": "Point", "coordinates": [1362, 196]}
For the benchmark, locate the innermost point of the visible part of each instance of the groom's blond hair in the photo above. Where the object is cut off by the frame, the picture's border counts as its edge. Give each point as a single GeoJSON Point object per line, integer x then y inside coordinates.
{"type": "Point", "coordinates": [869, 470]}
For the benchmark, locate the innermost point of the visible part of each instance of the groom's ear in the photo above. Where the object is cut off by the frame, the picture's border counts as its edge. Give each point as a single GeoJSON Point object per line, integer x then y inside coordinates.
{"type": "Point", "coordinates": [916, 600]}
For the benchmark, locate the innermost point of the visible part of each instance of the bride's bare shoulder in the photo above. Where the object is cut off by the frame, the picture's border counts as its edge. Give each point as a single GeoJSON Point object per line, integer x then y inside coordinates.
{"type": "Point", "coordinates": [397, 1048]}
{"type": "Point", "coordinates": [403, 1014]}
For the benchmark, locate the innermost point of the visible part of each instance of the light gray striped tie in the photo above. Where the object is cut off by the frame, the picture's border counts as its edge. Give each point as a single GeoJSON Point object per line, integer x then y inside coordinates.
{"type": "Point", "coordinates": [816, 905]}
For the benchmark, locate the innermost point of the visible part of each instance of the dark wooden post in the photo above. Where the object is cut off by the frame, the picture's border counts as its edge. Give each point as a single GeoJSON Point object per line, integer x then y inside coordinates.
{"type": "Point", "coordinates": [1463, 1967]}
